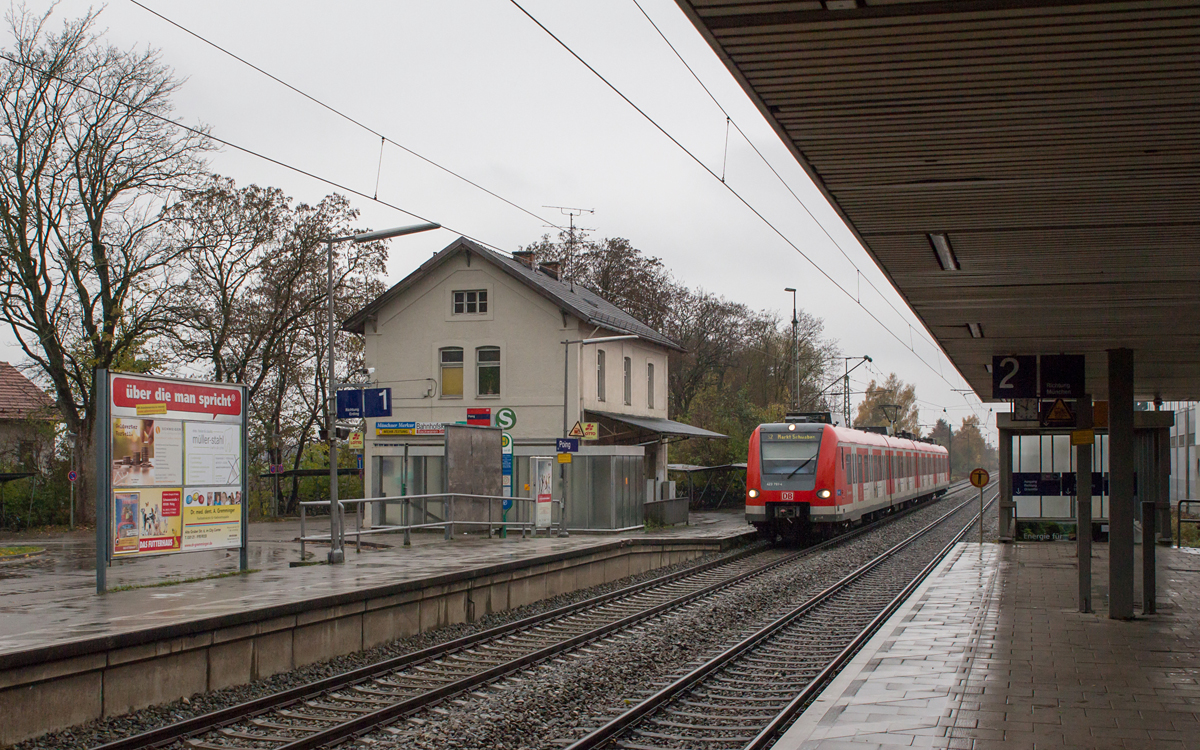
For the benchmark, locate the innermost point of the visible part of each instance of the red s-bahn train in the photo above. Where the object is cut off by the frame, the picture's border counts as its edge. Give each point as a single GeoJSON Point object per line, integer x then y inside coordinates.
{"type": "Point", "coordinates": [806, 478]}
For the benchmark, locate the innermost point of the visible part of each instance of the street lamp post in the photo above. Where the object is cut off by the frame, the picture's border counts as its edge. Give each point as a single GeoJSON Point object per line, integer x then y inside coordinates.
{"type": "Point", "coordinates": [795, 354]}
{"type": "Point", "coordinates": [562, 468]}
{"type": "Point", "coordinates": [336, 553]}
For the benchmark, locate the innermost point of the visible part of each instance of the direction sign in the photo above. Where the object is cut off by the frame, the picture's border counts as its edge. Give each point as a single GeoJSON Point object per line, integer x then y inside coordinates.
{"type": "Point", "coordinates": [506, 418]}
{"type": "Point", "coordinates": [566, 445]}
{"type": "Point", "coordinates": [1062, 376]}
{"type": "Point", "coordinates": [378, 402]}
{"type": "Point", "coordinates": [1014, 376]}
{"type": "Point", "coordinates": [979, 477]}
{"type": "Point", "coordinates": [349, 404]}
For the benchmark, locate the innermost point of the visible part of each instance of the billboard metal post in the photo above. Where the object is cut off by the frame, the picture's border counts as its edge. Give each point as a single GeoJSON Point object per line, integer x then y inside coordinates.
{"type": "Point", "coordinates": [102, 444]}
{"type": "Point", "coordinates": [244, 556]}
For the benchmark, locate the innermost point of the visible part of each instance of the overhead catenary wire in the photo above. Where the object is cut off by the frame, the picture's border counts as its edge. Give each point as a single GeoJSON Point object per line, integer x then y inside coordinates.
{"type": "Point", "coordinates": [732, 191]}
{"type": "Point", "coordinates": [343, 115]}
{"type": "Point", "coordinates": [250, 152]}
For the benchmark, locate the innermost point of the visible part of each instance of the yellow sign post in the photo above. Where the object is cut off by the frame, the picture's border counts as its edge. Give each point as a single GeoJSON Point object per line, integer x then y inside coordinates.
{"type": "Point", "coordinates": [980, 478]}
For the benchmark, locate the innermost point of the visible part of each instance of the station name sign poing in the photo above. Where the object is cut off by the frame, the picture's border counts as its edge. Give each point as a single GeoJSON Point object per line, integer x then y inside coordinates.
{"type": "Point", "coordinates": [145, 395]}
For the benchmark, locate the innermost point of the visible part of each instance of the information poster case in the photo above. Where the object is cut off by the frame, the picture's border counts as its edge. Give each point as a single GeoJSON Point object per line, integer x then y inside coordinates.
{"type": "Point", "coordinates": [171, 468]}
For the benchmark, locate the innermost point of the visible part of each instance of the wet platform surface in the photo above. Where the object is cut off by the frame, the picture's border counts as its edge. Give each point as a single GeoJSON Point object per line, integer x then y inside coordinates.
{"type": "Point", "coordinates": [990, 652]}
{"type": "Point", "coordinates": [51, 598]}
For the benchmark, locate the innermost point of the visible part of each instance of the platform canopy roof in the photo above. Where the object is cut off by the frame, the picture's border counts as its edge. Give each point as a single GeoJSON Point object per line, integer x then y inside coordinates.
{"type": "Point", "coordinates": [1055, 146]}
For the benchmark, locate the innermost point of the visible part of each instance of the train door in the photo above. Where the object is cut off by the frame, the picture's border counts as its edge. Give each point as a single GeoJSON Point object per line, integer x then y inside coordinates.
{"type": "Point", "coordinates": [856, 457]}
{"type": "Point", "coordinates": [881, 481]}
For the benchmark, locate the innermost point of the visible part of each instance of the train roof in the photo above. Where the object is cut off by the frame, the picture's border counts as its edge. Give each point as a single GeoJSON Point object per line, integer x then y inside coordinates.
{"type": "Point", "coordinates": [850, 435]}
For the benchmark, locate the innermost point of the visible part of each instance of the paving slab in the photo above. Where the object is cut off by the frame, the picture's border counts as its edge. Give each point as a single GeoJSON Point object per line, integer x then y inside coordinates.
{"type": "Point", "coordinates": [51, 599]}
{"type": "Point", "coordinates": [990, 652]}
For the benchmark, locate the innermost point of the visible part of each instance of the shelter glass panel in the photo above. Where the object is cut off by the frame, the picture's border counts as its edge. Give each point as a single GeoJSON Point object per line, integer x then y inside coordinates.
{"type": "Point", "coordinates": [1056, 507]}
{"type": "Point", "coordinates": [1029, 453]}
{"type": "Point", "coordinates": [1028, 506]}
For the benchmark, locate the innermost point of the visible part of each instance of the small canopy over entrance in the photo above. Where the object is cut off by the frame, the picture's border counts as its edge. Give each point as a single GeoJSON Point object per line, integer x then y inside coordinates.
{"type": "Point", "coordinates": [618, 428]}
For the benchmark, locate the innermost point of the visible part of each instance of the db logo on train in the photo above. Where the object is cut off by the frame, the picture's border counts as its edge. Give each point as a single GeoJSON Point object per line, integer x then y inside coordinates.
{"type": "Point", "coordinates": [979, 477]}
{"type": "Point", "coordinates": [787, 496]}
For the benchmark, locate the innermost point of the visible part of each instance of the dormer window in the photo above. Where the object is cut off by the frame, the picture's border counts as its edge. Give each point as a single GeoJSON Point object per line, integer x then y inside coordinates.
{"type": "Point", "coordinates": [471, 302]}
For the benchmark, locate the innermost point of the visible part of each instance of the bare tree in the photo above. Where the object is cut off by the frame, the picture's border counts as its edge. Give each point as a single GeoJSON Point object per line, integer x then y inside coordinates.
{"type": "Point", "coordinates": [88, 159]}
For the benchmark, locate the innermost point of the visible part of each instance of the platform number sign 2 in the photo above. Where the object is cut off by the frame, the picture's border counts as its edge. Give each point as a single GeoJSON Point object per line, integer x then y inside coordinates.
{"type": "Point", "coordinates": [1014, 376]}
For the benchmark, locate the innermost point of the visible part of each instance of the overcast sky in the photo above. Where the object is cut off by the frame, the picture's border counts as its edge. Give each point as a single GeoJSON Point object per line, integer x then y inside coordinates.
{"type": "Point", "coordinates": [477, 87]}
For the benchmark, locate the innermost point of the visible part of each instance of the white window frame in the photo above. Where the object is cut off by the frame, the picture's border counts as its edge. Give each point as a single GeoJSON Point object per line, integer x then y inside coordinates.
{"type": "Point", "coordinates": [600, 374]}
{"type": "Point", "coordinates": [443, 365]}
{"type": "Point", "coordinates": [482, 306]}
{"type": "Point", "coordinates": [628, 374]}
{"type": "Point", "coordinates": [497, 365]}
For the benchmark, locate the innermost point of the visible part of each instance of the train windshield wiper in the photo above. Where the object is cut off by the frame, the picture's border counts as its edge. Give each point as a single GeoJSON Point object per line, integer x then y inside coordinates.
{"type": "Point", "coordinates": [807, 461]}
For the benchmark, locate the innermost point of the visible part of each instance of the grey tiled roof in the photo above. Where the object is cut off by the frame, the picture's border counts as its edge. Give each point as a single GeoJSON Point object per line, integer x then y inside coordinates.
{"type": "Point", "coordinates": [577, 300]}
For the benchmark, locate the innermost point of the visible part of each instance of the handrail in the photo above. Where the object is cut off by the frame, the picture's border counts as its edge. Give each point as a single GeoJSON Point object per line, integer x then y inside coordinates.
{"type": "Point", "coordinates": [407, 501]}
{"type": "Point", "coordinates": [1180, 520]}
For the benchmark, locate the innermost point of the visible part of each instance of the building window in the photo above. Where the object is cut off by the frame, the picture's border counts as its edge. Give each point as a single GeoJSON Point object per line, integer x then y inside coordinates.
{"type": "Point", "coordinates": [487, 366]}
{"type": "Point", "coordinates": [628, 381]}
{"type": "Point", "coordinates": [472, 302]}
{"type": "Point", "coordinates": [599, 374]}
{"type": "Point", "coordinates": [649, 385]}
{"type": "Point", "coordinates": [452, 371]}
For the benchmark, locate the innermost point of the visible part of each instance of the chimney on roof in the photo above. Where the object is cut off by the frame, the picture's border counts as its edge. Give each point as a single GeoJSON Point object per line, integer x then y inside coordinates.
{"type": "Point", "coordinates": [524, 257]}
{"type": "Point", "coordinates": [552, 269]}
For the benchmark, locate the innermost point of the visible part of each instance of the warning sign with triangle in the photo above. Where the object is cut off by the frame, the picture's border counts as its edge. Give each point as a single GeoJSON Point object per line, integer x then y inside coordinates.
{"type": "Point", "coordinates": [576, 431]}
{"type": "Point", "coordinates": [1058, 415]}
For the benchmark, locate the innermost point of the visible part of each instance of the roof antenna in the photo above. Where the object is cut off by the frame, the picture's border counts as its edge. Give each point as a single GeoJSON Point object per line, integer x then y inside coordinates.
{"type": "Point", "coordinates": [572, 237]}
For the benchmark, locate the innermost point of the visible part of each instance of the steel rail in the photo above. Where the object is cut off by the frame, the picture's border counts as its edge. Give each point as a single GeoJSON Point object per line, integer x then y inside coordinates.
{"type": "Point", "coordinates": [367, 722]}
{"type": "Point", "coordinates": [627, 719]}
{"type": "Point", "coordinates": [224, 717]}
{"type": "Point", "coordinates": [767, 736]}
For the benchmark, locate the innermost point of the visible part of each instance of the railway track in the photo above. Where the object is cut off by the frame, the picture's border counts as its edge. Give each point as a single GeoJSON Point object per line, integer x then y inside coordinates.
{"type": "Point", "coordinates": [334, 709]}
{"type": "Point", "coordinates": [744, 697]}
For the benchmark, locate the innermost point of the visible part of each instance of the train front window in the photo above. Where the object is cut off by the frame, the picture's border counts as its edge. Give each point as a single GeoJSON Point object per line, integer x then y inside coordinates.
{"type": "Point", "coordinates": [790, 458]}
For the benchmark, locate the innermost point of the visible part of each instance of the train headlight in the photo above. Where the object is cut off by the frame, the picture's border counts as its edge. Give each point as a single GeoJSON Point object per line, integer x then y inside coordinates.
{"type": "Point", "coordinates": [792, 427]}
{"type": "Point", "coordinates": [824, 494]}
{"type": "Point", "coordinates": [753, 493]}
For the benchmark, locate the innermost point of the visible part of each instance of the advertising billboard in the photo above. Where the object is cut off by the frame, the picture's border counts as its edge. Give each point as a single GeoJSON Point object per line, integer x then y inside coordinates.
{"type": "Point", "coordinates": [173, 470]}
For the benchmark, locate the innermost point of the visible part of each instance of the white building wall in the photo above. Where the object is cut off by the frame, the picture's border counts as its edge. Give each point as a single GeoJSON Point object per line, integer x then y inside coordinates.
{"type": "Point", "coordinates": [403, 347]}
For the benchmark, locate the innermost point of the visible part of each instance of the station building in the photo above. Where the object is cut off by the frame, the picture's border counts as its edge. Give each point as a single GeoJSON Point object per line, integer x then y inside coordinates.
{"type": "Point", "coordinates": [473, 336]}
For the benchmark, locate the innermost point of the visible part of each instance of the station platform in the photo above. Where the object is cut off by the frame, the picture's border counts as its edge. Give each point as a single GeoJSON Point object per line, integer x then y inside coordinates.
{"type": "Point", "coordinates": [52, 599]}
{"type": "Point", "coordinates": [68, 655]}
{"type": "Point", "coordinates": [990, 652]}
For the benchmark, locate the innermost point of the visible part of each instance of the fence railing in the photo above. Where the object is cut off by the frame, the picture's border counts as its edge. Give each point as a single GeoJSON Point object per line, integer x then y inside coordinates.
{"type": "Point", "coordinates": [1180, 520]}
{"type": "Point", "coordinates": [419, 505]}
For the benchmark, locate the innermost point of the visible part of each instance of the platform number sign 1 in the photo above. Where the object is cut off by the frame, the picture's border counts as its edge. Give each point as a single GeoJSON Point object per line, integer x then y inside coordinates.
{"type": "Point", "coordinates": [1014, 376]}
{"type": "Point", "coordinates": [377, 402]}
